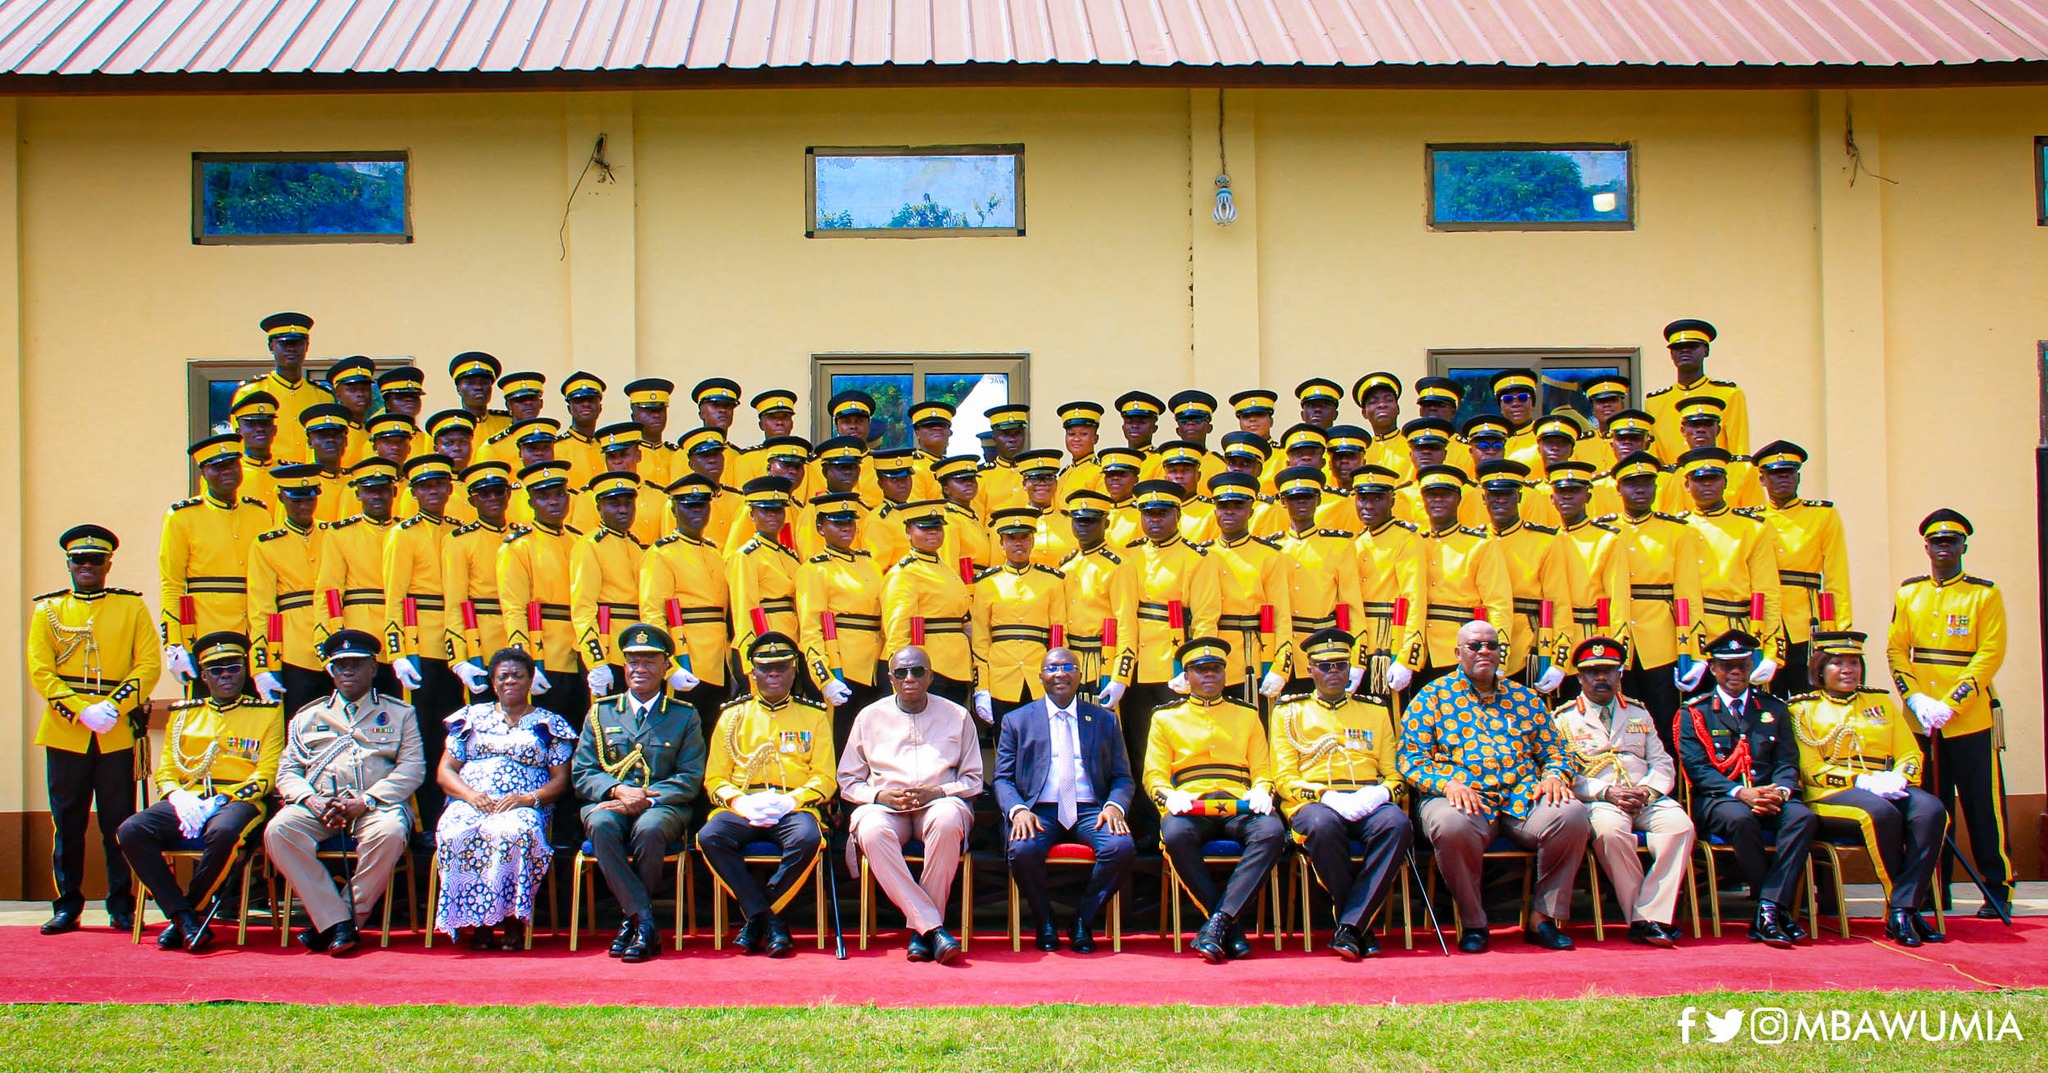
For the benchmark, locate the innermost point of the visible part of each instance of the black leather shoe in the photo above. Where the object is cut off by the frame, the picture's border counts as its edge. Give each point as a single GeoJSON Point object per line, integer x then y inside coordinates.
{"type": "Point", "coordinates": [1648, 933]}
{"type": "Point", "coordinates": [920, 947]}
{"type": "Point", "coordinates": [1670, 931]}
{"type": "Point", "coordinates": [945, 948]}
{"type": "Point", "coordinates": [1547, 936]}
{"type": "Point", "coordinates": [1473, 941]}
{"type": "Point", "coordinates": [1344, 943]}
{"type": "Point", "coordinates": [1209, 942]}
{"type": "Point", "coordinates": [1793, 929]}
{"type": "Point", "coordinates": [1235, 944]}
{"type": "Point", "coordinates": [483, 938]}
{"type": "Point", "coordinates": [753, 934]}
{"type": "Point", "coordinates": [645, 945]}
{"type": "Point", "coordinates": [1899, 927]}
{"type": "Point", "coordinates": [1048, 937]}
{"type": "Point", "coordinates": [1081, 937]}
{"type": "Point", "coordinates": [121, 919]}
{"type": "Point", "coordinates": [1368, 943]}
{"type": "Point", "coordinates": [780, 943]}
{"type": "Point", "coordinates": [1989, 910]}
{"type": "Point", "coordinates": [515, 934]}
{"type": "Point", "coordinates": [198, 934]}
{"type": "Point", "coordinates": [172, 937]}
{"type": "Point", "coordinates": [61, 921]}
{"type": "Point", "coordinates": [1926, 929]}
{"type": "Point", "coordinates": [345, 937]}
{"type": "Point", "coordinates": [624, 938]}
{"type": "Point", "coordinates": [312, 939]}
{"type": "Point", "coordinates": [1767, 928]}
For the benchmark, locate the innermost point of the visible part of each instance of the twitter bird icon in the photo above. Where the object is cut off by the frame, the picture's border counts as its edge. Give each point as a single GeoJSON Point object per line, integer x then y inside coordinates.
{"type": "Point", "coordinates": [1723, 1028]}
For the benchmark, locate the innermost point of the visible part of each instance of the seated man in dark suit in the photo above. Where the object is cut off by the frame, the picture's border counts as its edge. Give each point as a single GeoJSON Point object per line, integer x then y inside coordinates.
{"type": "Point", "coordinates": [1062, 775]}
{"type": "Point", "coordinates": [640, 764]}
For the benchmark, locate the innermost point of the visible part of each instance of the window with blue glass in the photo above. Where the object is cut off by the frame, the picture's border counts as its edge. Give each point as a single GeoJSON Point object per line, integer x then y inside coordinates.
{"type": "Point", "coordinates": [1560, 375]}
{"type": "Point", "coordinates": [971, 383]}
{"type": "Point", "coordinates": [1526, 187]}
{"type": "Point", "coordinates": [270, 198]}
{"type": "Point", "coordinates": [914, 191]}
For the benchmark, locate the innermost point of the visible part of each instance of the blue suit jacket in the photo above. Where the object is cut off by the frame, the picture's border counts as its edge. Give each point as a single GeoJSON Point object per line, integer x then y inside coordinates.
{"type": "Point", "coordinates": [1024, 756]}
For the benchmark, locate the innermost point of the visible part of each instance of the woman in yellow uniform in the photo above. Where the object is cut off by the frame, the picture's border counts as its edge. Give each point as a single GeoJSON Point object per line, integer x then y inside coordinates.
{"type": "Point", "coordinates": [1859, 769]}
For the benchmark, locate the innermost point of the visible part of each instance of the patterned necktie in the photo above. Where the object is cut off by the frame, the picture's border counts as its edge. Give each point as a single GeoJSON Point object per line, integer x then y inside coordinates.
{"type": "Point", "coordinates": [1065, 778]}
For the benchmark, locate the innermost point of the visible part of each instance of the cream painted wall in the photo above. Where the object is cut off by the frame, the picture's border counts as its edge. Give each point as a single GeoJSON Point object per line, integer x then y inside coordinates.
{"type": "Point", "coordinates": [1329, 271]}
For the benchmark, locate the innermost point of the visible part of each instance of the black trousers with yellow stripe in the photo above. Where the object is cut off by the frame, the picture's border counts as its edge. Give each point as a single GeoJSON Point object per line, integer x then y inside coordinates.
{"type": "Point", "coordinates": [1903, 836]}
{"type": "Point", "coordinates": [1963, 771]}
{"type": "Point", "coordinates": [147, 834]}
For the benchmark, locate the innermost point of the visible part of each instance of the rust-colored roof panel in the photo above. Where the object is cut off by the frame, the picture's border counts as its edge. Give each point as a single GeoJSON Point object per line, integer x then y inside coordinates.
{"type": "Point", "coordinates": [338, 37]}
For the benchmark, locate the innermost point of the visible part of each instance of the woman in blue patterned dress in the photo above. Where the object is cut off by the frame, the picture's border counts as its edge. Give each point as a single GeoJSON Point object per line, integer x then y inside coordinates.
{"type": "Point", "coordinates": [506, 764]}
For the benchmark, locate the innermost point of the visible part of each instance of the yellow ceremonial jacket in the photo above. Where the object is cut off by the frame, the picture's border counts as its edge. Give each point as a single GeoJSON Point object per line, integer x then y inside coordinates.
{"type": "Point", "coordinates": [1598, 570]}
{"type": "Point", "coordinates": [967, 537]}
{"type": "Point", "coordinates": [1206, 747]}
{"type": "Point", "coordinates": [257, 483]}
{"type": "Point", "coordinates": [292, 400]}
{"type": "Point", "coordinates": [1813, 557]}
{"type": "Point", "coordinates": [415, 555]}
{"type": "Point", "coordinates": [1393, 565]}
{"type": "Point", "coordinates": [1947, 640]}
{"type": "Point", "coordinates": [1198, 520]}
{"type": "Point", "coordinates": [761, 574]}
{"type": "Point", "coordinates": [352, 570]}
{"type": "Point", "coordinates": [250, 739]}
{"type": "Point", "coordinates": [1125, 527]}
{"type": "Point", "coordinates": [1001, 485]}
{"type": "Point", "coordinates": [1739, 557]}
{"type": "Point", "coordinates": [1101, 587]}
{"type": "Point", "coordinates": [86, 647]}
{"type": "Point", "coordinates": [1662, 405]}
{"type": "Point", "coordinates": [1323, 576]}
{"type": "Point", "coordinates": [848, 585]}
{"type": "Point", "coordinates": [1254, 575]}
{"type": "Point", "coordinates": [1079, 473]}
{"type": "Point", "coordinates": [604, 590]}
{"type": "Point", "coordinates": [1336, 511]}
{"type": "Point", "coordinates": [585, 457]}
{"type": "Point", "coordinates": [809, 542]}
{"type": "Point", "coordinates": [1466, 573]}
{"type": "Point", "coordinates": [1054, 540]}
{"type": "Point", "coordinates": [204, 554]}
{"type": "Point", "coordinates": [926, 587]}
{"type": "Point", "coordinates": [1841, 738]}
{"type": "Point", "coordinates": [1745, 489]}
{"type": "Point", "coordinates": [1175, 570]}
{"type": "Point", "coordinates": [469, 575]}
{"type": "Point", "coordinates": [1539, 569]}
{"type": "Point", "coordinates": [533, 570]}
{"type": "Point", "coordinates": [1014, 612]}
{"type": "Point", "coordinates": [1663, 567]}
{"type": "Point", "coordinates": [691, 573]}
{"type": "Point", "coordinates": [1319, 746]}
{"type": "Point", "coordinates": [1471, 508]}
{"type": "Point", "coordinates": [284, 572]}
{"type": "Point", "coordinates": [760, 746]}
{"type": "Point", "coordinates": [887, 541]}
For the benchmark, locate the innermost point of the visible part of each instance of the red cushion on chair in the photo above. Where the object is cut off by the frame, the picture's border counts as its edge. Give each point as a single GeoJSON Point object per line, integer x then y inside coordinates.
{"type": "Point", "coordinates": [1071, 851]}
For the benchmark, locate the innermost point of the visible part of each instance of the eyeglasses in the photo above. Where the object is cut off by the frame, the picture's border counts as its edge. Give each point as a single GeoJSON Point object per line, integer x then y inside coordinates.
{"type": "Point", "coordinates": [1482, 646]}
{"type": "Point", "coordinates": [1517, 396]}
{"type": "Point", "coordinates": [901, 673]}
{"type": "Point", "coordinates": [1062, 668]}
{"type": "Point", "coordinates": [1332, 666]}
{"type": "Point", "coordinates": [88, 560]}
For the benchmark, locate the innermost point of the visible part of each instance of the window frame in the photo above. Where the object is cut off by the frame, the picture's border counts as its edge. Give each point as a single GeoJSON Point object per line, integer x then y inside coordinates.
{"type": "Point", "coordinates": [201, 238]}
{"type": "Point", "coordinates": [1430, 150]}
{"type": "Point", "coordinates": [2041, 180]}
{"type": "Point", "coordinates": [200, 373]}
{"type": "Point", "coordinates": [812, 152]}
{"type": "Point", "coordinates": [824, 365]}
{"type": "Point", "coordinates": [1443, 359]}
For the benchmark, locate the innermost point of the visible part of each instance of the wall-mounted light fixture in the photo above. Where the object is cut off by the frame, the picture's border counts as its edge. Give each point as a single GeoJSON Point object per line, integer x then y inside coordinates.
{"type": "Point", "coordinates": [1226, 205]}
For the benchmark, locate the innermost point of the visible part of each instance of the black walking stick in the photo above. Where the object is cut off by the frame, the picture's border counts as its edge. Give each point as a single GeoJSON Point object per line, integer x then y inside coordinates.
{"type": "Point", "coordinates": [1996, 904]}
{"type": "Point", "coordinates": [832, 893]}
{"type": "Point", "coordinates": [1428, 906]}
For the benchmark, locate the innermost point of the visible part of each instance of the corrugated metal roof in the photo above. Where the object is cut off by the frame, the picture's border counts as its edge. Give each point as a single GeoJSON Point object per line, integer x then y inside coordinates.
{"type": "Point", "coordinates": [342, 37]}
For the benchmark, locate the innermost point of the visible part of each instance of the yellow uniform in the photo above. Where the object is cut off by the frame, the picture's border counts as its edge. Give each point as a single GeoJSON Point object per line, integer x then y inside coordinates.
{"type": "Point", "coordinates": [688, 573]}
{"type": "Point", "coordinates": [293, 397]}
{"type": "Point", "coordinates": [1166, 573]}
{"type": "Point", "coordinates": [1054, 540]}
{"type": "Point", "coordinates": [352, 578]}
{"type": "Point", "coordinates": [1322, 577]}
{"type": "Point", "coordinates": [1539, 570]}
{"type": "Point", "coordinates": [848, 585]}
{"type": "Point", "coordinates": [469, 575]}
{"type": "Point", "coordinates": [1662, 405]}
{"type": "Point", "coordinates": [458, 511]}
{"type": "Point", "coordinates": [1101, 588]}
{"type": "Point", "coordinates": [1813, 557]}
{"type": "Point", "coordinates": [1598, 572]}
{"type": "Point", "coordinates": [1393, 565]}
{"type": "Point", "coordinates": [533, 574]}
{"type": "Point", "coordinates": [922, 586]}
{"type": "Point", "coordinates": [1739, 558]}
{"type": "Point", "coordinates": [1663, 568]}
{"type": "Point", "coordinates": [1471, 507]}
{"type": "Point", "coordinates": [415, 555]}
{"type": "Point", "coordinates": [1841, 739]}
{"type": "Point", "coordinates": [1255, 576]}
{"type": "Point", "coordinates": [604, 590]}
{"type": "Point", "coordinates": [761, 574]}
{"type": "Point", "coordinates": [204, 554]}
{"type": "Point", "coordinates": [1391, 452]}
{"type": "Point", "coordinates": [1014, 612]}
{"type": "Point", "coordinates": [1198, 520]}
{"type": "Point", "coordinates": [967, 537]}
{"type": "Point", "coordinates": [250, 736]}
{"type": "Point", "coordinates": [581, 451]}
{"type": "Point", "coordinates": [1208, 747]}
{"type": "Point", "coordinates": [284, 572]}
{"type": "Point", "coordinates": [1079, 473]}
{"type": "Point", "coordinates": [256, 480]}
{"type": "Point", "coordinates": [1745, 488]}
{"type": "Point", "coordinates": [1319, 747]}
{"type": "Point", "coordinates": [1125, 527]}
{"type": "Point", "coordinates": [804, 528]}
{"type": "Point", "coordinates": [1335, 511]}
{"type": "Point", "coordinates": [887, 542]}
{"type": "Point", "coordinates": [1001, 486]}
{"type": "Point", "coordinates": [86, 647]}
{"type": "Point", "coordinates": [1947, 640]}
{"type": "Point", "coordinates": [1467, 573]}
{"type": "Point", "coordinates": [760, 746]}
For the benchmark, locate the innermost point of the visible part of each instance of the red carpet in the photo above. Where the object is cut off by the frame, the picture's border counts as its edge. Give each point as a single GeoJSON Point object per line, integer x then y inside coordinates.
{"type": "Point", "coordinates": [100, 966]}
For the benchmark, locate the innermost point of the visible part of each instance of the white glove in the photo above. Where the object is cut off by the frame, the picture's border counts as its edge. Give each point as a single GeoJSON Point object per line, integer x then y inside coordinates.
{"type": "Point", "coordinates": [1357, 679]}
{"type": "Point", "coordinates": [472, 674]}
{"type": "Point", "coordinates": [1765, 669]}
{"type": "Point", "coordinates": [1690, 680]}
{"type": "Point", "coordinates": [1341, 802]}
{"type": "Point", "coordinates": [1398, 676]}
{"type": "Point", "coordinates": [100, 716]}
{"type": "Point", "coordinates": [752, 808]}
{"type": "Point", "coordinates": [407, 670]}
{"type": "Point", "coordinates": [1932, 713]}
{"type": "Point", "coordinates": [682, 679]}
{"type": "Point", "coordinates": [1272, 684]}
{"type": "Point", "coordinates": [1889, 784]}
{"type": "Point", "coordinates": [778, 806]}
{"type": "Point", "coordinates": [1179, 802]}
{"type": "Point", "coordinates": [836, 691]}
{"type": "Point", "coordinates": [1550, 680]}
{"type": "Point", "coordinates": [1110, 694]}
{"type": "Point", "coordinates": [599, 679]}
{"type": "Point", "coordinates": [984, 706]}
{"type": "Point", "coordinates": [1370, 798]}
{"type": "Point", "coordinates": [540, 680]}
{"type": "Point", "coordinates": [179, 662]}
{"type": "Point", "coordinates": [1261, 801]}
{"type": "Point", "coordinates": [191, 812]}
{"type": "Point", "coordinates": [269, 687]}
{"type": "Point", "coordinates": [1179, 683]}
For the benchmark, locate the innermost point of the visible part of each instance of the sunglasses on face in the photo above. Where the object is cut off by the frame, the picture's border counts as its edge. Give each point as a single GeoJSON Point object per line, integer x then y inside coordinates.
{"type": "Point", "coordinates": [1332, 666]}
{"type": "Point", "coordinates": [88, 560]}
{"type": "Point", "coordinates": [1516, 396]}
{"type": "Point", "coordinates": [901, 673]}
{"type": "Point", "coordinates": [1062, 668]}
{"type": "Point", "coordinates": [1482, 646]}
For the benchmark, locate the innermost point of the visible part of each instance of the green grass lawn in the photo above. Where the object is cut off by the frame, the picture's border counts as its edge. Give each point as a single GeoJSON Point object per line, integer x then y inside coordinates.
{"type": "Point", "coordinates": [1578, 1035]}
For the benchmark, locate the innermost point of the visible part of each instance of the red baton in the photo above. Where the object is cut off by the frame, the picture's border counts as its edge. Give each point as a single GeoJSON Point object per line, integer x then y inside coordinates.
{"type": "Point", "coordinates": [1479, 614]}
{"type": "Point", "coordinates": [759, 618]}
{"type": "Point", "coordinates": [1343, 616]}
{"type": "Point", "coordinates": [1827, 607]}
{"type": "Point", "coordinates": [674, 608]}
{"type": "Point", "coordinates": [966, 570]}
{"type": "Point", "coordinates": [333, 603]}
{"type": "Point", "coordinates": [1059, 637]}
{"type": "Point", "coordinates": [276, 628]}
{"type": "Point", "coordinates": [409, 609]}
{"type": "Point", "coordinates": [1175, 615]}
{"type": "Point", "coordinates": [1547, 616]}
{"type": "Point", "coordinates": [1681, 612]}
{"type": "Point", "coordinates": [1401, 611]}
{"type": "Point", "coordinates": [1602, 612]}
{"type": "Point", "coordinates": [1756, 607]}
{"type": "Point", "coordinates": [828, 624]}
{"type": "Point", "coordinates": [604, 621]}
{"type": "Point", "coordinates": [533, 617]}
{"type": "Point", "coordinates": [1266, 619]}
{"type": "Point", "coordinates": [188, 609]}
{"type": "Point", "coordinates": [469, 614]}
{"type": "Point", "coordinates": [1108, 634]}
{"type": "Point", "coordinates": [917, 631]}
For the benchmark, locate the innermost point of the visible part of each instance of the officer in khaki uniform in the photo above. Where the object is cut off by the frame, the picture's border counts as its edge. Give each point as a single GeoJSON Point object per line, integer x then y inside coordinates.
{"type": "Point", "coordinates": [352, 762]}
{"type": "Point", "coordinates": [1813, 561]}
{"type": "Point", "coordinates": [683, 587]}
{"type": "Point", "coordinates": [93, 659]}
{"type": "Point", "coordinates": [604, 579]}
{"type": "Point", "coordinates": [1947, 641]}
{"type": "Point", "coordinates": [203, 557]}
{"type": "Point", "coordinates": [284, 609]}
{"type": "Point", "coordinates": [640, 765]}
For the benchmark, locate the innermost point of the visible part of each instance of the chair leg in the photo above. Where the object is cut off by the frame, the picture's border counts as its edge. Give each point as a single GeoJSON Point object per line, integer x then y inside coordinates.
{"type": "Point", "coordinates": [1593, 885]}
{"type": "Point", "coordinates": [1692, 898]}
{"type": "Point", "coordinates": [1016, 924]}
{"type": "Point", "coordinates": [1116, 922]}
{"type": "Point", "coordinates": [1308, 920]}
{"type": "Point", "coordinates": [682, 896]}
{"type": "Point", "coordinates": [717, 912]}
{"type": "Point", "coordinates": [433, 897]}
{"type": "Point", "coordinates": [966, 900]}
{"type": "Point", "coordinates": [1279, 932]}
{"type": "Point", "coordinates": [1714, 892]}
{"type": "Point", "coordinates": [689, 876]}
{"type": "Point", "coordinates": [141, 905]}
{"type": "Point", "coordinates": [818, 892]}
{"type": "Point", "coordinates": [576, 900]}
{"type": "Point", "coordinates": [242, 918]}
{"type": "Point", "coordinates": [1528, 884]}
{"type": "Point", "coordinates": [1407, 915]}
{"type": "Point", "coordinates": [867, 921]}
{"type": "Point", "coordinates": [284, 916]}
